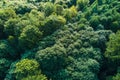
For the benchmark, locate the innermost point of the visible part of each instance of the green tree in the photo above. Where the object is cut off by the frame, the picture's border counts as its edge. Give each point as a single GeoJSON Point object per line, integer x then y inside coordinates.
{"type": "Point", "coordinates": [29, 37]}
{"type": "Point", "coordinates": [112, 50]}
{"type": "Point", "coordinates": [79, 70]}
{"type": "Point", "coordinates": [20, 25]}
{"type": "Point", "coordinates": [10, 26]}
{"type": "Point", "coordinates": [73, 10]}
{"type": "Point", "coordinates": [115, 26]}
{"type": "Point", "coordinates": [70, 13]}
{"type": "Point", "coordinates": [52, 23]}
{"type": "Point", "coordinates": [35, 17]}
{"type": "Point", "coordinates": [6, 51]}
{"type": "Point", "coordinates": [6, 14]}
{"type": "Point", "coordinates": [25, 68]}
{"type": "Point", "coordinates": [48, 8]}
{"type": "Point", "coordinates": [35, 77]}
{"type": "Point", "coordinates": [1, 29]}
{"type": "Point", "coordinates": [51, 59]}
{"type": "Point", "coordinates": [95, 21]}
{"type": "Point", "coordinates": [116, 77]}
{"type": "Point", "coordinates": [81, 4]}
{"type": "Point", "coordinates": [59, 9]}
{"type": "Point", "coordinates": [22, 8]}
{"type": "Point", "coordinates": [91, 1]}
{"type": "Point", "coordinates": [4, 66]}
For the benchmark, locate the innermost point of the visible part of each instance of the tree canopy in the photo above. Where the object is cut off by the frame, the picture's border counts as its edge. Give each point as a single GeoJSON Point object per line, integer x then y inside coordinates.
{"type": "Point", "coordinates": [59, 39]}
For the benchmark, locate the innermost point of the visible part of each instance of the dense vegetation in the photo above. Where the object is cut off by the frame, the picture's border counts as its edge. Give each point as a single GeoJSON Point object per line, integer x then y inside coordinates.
{"type": "Point", "coordinates": [59, 39]}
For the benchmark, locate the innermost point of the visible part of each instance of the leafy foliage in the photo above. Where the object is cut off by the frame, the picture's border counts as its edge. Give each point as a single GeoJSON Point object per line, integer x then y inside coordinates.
{"type": "Point", "coordinates": [82, 3]}
{"type": "Point", "coordinates": [30, 36]}
{"type": "Point", "coordinates": [52, 23]}
{"type": "Point", "coordinates": [6, 50]}
{"type": "Point", "coordinates": [70, 13]}
{"type": "Point", "coordinates": [69, 39]}
{"type": "Point", "coordinates": [54, 58]}
{"type": "Point", "coordinates": [26, 68]}
{"type": "Point", "coordinates": [112, 50]}
{"type": "Point", "coordinates": [36, 77]}
{"type": "Point", "coordinates": [4, 66]}
{"type": "Point", "coordinates": [117, 77]}
{"type": "Point", "coordinates": [48, 8]}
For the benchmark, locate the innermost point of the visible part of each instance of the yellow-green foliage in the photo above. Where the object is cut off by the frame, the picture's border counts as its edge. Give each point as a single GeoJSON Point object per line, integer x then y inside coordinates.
{"type": "Point", "coordinates": [70, 13]}
{"type": "Point", "coordinates": [73, 10]}
{"type": "Point", "coordinates": [25, 68]}
{"type": "Point", "coordinates": [112, 50]}
{"type": "Point", "coordinates": [59, 9]}
{"type": "Point", "coordinates": [35, 17]}
{"type": "Point", "coordinates": [6, 14]}
{"type": "Point", "coordinates": [48, 8]}
{"type": "Point", "coordinates": [116, 77]}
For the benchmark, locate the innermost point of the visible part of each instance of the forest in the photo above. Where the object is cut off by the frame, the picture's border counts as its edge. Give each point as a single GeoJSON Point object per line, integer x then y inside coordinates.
{"type": "Point", "coordinates": [59, 39]}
